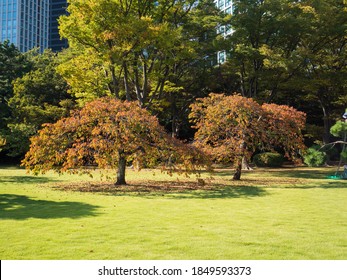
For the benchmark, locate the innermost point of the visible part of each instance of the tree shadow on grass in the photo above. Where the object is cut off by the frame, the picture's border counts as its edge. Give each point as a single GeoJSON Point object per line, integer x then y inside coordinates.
{"type": "Point", "coordinates": [25, 179]}
{"type": "Point", "coordinates": [246, 188]}
{"type": "Point", "coordinates": [222, 192]}
{"type": "Point", "coordinates": [20, 207]}
{"type": "Point", "coordinates": [303, 174]}
{"type": "Point", "coordinates": [329, 184]}
{"type": "Point", "coordinates": [217, 192]}
{"type": "Point", "coordinates": [21, 179]}
{"type": "Point", "coordinates": [289, 177]}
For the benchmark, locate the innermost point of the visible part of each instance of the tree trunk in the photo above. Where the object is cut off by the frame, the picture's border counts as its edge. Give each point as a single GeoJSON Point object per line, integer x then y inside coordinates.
{"type": "Point", "coordinates": [113, 87]}
{"type": "Point", "coordinates": [121, 169]}
{"type": "Point", "coordinates": [327, 125]}
{"type": "Point", "coordinates": [245, 164]}
{"type": "Point", "coordinates": [239, 160]}
{"type": "Point", "coordinates": [342, 152]}
{"type": "Point", "coordinates": [237, 174]}
{"type": "Point", "coordinates": [326, 135]}
{"type": "Point", "coordinates": [174, 122]}
{"type": "Point", "coordinates": [126, 82]}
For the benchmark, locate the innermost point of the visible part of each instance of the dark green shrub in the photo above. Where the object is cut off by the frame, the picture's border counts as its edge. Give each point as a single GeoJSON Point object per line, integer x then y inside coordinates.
{"type": "Point", "coordinates": [268, 160]}
{"type": "Point", "coordinates": [314, 157]}
{"type": "Point", "coordinates": [344, 155]}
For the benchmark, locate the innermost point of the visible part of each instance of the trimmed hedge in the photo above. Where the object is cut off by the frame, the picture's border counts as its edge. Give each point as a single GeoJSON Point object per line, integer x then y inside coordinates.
{"type": "Point", "coordinates": [268, 160]}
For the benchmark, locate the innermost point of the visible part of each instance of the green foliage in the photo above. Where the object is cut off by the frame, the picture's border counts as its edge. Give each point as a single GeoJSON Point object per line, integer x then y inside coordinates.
{"type": "Point", "coordinates": [331, 151]}
{"type": "Point", "coordinates": [314, 156]}
{"type": "Point", "coordinates": [84, 73]}
{"type": "Point", "coordinates": [160, 53]}
{"type": "Point", "coordinates": [320, 79]}
{"type": "Point", "coordinates": [133, 49]}
{"type": "Point", "coordinates": [13, 64]}
{"type": "Point", "coordinates": [264, 44]}
{"type": "Point", "coordinates": [313, 132]}
{"type": "Point", "coordinates": [289, 52]}
{"type": "Point", "coordinates": [39, 96]}
{"type": "Point", "coordinates": [344, 155]}
{"type": "Point", "coordinates": [339, 129]}
{"type": "Point", "coordinates": [268, 159]}
{"type": "Point", "coordinates": [17, 140]}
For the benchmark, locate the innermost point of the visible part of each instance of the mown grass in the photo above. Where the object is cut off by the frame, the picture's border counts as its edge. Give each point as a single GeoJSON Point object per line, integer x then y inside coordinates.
{"type": "Point", "coordinates": [270, 214]}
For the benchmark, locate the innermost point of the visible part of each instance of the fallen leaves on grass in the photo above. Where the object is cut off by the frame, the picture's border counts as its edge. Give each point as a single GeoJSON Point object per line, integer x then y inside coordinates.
{"type": "Point", "coordinates": [143, 187]}
{"type": "Point", "coordinates": [153, 186]}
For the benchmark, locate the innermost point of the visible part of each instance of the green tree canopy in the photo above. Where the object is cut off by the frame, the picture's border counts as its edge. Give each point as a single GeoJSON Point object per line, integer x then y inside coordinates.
{"type": "Point", "coordinates": [264, 43]}
{"type": "Point", "coordinates": [39, 96]}
{"type": "Point", "coordinates": [289, 52]}
{"type": "Point", "coordinates": [13, 64]}
{"type": "Point", "coordinates": [321, 82]}
{"type": "Point", "coordinates": [139, 46]}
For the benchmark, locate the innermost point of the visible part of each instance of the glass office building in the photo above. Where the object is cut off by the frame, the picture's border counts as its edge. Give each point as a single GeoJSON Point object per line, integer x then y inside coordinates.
{"type": "Point", "coordinates": [32, 23]}
{"type": "Point", "coordinates": [56, 9]}
{"type": "Point", "coordinates": [25, 23]}
{"type": "Point", "coordinates": [227, 7]}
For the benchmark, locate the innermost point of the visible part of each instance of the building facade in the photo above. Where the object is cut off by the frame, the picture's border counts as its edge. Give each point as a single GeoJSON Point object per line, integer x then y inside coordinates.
{"type": "Point", "coordinates": [227, 7]}
{"type": "Point", "coordinates": [25, 23]}
{"type": "Point", "coordinates": [56, 9]}
{"type": "Point", "coordinates": [32, 24]}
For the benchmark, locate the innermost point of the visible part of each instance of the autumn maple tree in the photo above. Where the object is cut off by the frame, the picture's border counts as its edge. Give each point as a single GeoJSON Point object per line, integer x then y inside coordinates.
{"type": "Point", "coordinates": [232, 128]}
{"type": "Point", "coordinates": [283, 126]}
{"type": "Point", "coordinates": [108, 133]}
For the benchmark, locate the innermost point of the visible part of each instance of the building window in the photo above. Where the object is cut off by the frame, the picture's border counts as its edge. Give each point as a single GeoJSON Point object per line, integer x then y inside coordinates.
{"type": "Point", "coordinates": [221, 57]}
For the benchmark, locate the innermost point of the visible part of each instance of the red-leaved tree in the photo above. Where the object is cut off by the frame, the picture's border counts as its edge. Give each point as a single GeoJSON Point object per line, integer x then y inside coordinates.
{"type": "Point", "coordinates": [283, 129]}
{"type": "Point", "coordinates": [108, 133]}
{"type": "Point", "coordinates": [232, 128]}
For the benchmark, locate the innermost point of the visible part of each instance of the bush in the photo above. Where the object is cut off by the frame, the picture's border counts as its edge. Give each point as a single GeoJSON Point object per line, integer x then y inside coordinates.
{"type": "Point", "coordinates": [314, 157]}
{"type": "Point", "coordinates": [339, 129]}
{"type": "Point", "coordinates": [268, 160]}
{"type": "Point", "coordinates": [344, 155]}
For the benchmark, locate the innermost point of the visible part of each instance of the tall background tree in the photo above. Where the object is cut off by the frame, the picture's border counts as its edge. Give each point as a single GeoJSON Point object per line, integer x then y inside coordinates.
{"type": "Point", "coordinates": [155, 52]}
{"type": "Point", "coordinates": [321, 82]}
{"type": "Point", "coordinates": [13, 64]}
{"type": "Point", "coordinates": [39, 96]}
{"type": "Point", "coordinates": [289, 52]}
{"type": "Point", "coordinates": [264, 43]}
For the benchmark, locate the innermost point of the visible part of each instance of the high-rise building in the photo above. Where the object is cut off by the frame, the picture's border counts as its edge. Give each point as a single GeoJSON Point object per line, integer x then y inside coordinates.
{"type": "Point", "coordinates": [57, 8]}
{"type": "Point", "coordinates": [25, 23]}
{"type": "Point", "coordinates": [227, 7]}
{"type": "Point", "coordinates": [32, 23]}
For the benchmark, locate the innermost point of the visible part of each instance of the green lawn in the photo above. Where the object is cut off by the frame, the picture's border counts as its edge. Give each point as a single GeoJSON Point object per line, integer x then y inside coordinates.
{"type": "Point", "coordinates": [270, 214]}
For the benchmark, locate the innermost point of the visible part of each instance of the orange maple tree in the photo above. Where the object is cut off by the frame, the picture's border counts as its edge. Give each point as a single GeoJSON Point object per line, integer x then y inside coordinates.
{"type": "Point", "coordinates": [232, 128]}
{"type": "Point", "coordinates": [109, 133]}
{"type": "Point", "coordinates": [283, 129]}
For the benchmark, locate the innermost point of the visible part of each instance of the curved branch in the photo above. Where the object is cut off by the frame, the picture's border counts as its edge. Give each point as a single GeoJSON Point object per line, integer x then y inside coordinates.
{"type": "Point", "coordinates": [333, 144]}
